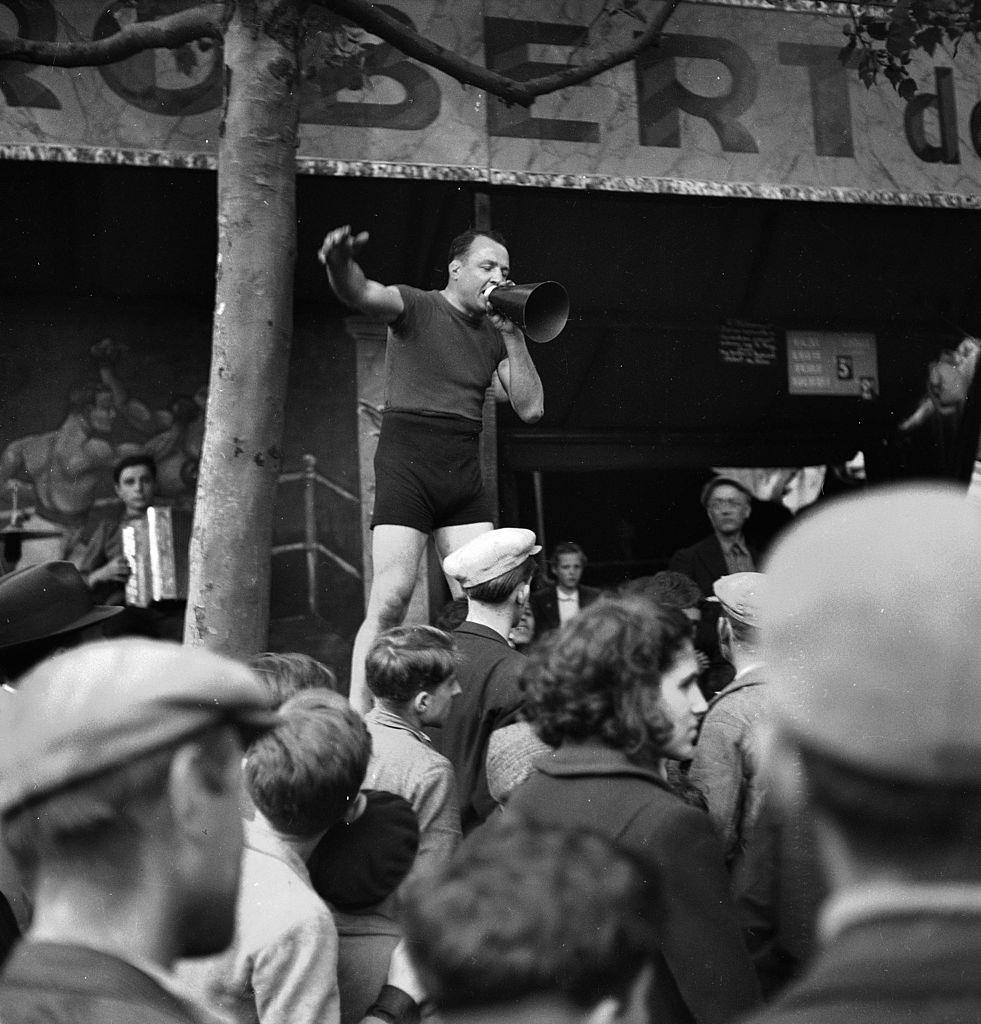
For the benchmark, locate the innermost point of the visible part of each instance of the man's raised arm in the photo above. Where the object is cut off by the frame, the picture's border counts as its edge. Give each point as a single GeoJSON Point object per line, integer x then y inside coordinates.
{"type": "Point", "coordinates": [348, 279]}
{"type": "Point", "coordinates": [517, 373]}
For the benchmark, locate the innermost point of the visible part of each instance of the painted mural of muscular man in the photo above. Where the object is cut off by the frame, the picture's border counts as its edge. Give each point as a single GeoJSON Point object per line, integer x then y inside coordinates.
{"type": "Point", "coordinates": [66, 467]}
{"type": "Point", "coordinates": [445, 348]}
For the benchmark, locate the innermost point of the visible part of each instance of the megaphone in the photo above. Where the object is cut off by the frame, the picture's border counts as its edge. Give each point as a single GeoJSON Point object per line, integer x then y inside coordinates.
{"type": "Point", "coordinates": [541, 310]}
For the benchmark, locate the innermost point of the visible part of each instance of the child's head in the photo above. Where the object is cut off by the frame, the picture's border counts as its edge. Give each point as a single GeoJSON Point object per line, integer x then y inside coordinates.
{"type": "Point", "coordinates": [305, 775]}
{"type": "Point", "coordinates": [414, 667]}
{"type": "Point", "coordinates": [287, 674]}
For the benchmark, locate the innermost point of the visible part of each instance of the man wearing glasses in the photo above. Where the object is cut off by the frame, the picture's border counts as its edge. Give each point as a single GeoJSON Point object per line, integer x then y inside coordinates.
{"type": "Point", "coordinates": [725, 551]}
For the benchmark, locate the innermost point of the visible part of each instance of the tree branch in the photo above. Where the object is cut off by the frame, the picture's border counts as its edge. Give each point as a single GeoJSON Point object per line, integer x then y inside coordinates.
{"type": "Point", "coordinates": [377, 22]}
{"type": "Point", "coordinates": [207, 21]}
{"type": "Point", "coordinates": [203, 22]}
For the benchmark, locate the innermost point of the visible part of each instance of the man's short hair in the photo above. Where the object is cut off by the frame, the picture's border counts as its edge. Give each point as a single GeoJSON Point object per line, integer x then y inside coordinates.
{"type": "Point", "coordinates": [499, 589]}
{"type": "Point", "coordinates": [920, 830]}
{"type": "Point", "coordinates": [460, 245]}
{"type": "Point", "coordinates": [285, 675]}
{"type": "Point", "coordinates": [93, 823]}
{"type": "Point", "coordinates": [598, 676]}
{"type": "Point", "coordinates": [406, 660]}
{"type": "Point", "coordinates": [670, 589]}
{"type": "Point", "coordinates": [452, 614]}
{"type": "Point", "coordinates": [567, 547]}
{"type": "Point", "coordinates": [136, 459]}
{"type": "Point", "coordinates": [306, 772]}
{"type": "Point", "coordinates": [528, 911]}
{"type": "Point", "coordinates": [742, 632]}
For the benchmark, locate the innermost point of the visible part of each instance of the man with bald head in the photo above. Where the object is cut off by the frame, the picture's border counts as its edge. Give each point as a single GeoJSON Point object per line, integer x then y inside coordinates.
{"type": "Point", "coordinates": [120, 792]}
{"type": "Point", "coordinates": [871, 640]}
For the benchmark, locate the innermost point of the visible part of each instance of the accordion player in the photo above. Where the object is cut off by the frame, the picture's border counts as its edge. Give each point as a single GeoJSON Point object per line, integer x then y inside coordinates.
{"type": "Point", "coordinates": [157, 548]}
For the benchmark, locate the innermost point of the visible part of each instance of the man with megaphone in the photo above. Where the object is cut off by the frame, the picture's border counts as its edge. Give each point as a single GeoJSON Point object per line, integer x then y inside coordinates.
{"type": "Point", "coordinates": [445, 348]}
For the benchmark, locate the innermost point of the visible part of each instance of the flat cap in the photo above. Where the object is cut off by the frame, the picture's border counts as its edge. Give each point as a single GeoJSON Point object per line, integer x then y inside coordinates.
{"type": "Point", "coordinates": [490, 555]}
{"type": "Point", "coordinates": [97, 706]}
{"type": "Point", "coordinates": [728, 481]}
{"type": "Point", "coordinates": [871, 633]}
{"type": "Point", "coordinates": [741, 596]}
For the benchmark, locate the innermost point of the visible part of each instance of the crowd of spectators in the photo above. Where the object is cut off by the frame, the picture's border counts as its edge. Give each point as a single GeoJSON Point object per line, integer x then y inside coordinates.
{"type": "Point", "coordinates": [597, 815]}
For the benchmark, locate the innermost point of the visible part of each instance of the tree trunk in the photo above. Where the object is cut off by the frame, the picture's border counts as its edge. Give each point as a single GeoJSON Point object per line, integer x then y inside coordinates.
{"type": "Point", "coordinates": [228, 606]}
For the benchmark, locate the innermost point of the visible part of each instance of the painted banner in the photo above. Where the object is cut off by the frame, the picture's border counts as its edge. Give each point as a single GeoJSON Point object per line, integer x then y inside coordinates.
{"type": "Point", "coordinates": [736, 100]}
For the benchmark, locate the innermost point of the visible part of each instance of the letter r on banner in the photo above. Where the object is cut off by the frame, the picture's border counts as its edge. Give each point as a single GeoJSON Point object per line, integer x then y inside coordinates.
{"type": "Point", "coordinates": [660, 96]}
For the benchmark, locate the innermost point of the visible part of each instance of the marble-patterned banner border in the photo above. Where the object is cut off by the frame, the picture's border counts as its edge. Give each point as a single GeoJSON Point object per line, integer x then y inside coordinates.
{"type": "Point", "coordinates": [828, 7]}
{"type": "Point", "coordinates": [109, 155]}
{"type": "Point", "coordinates": [525, 179]}
{"type": "Point", "coordinates": [737, 190]}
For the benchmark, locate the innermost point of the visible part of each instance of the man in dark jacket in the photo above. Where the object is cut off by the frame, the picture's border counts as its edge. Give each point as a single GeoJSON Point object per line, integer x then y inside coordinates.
{"type": "Point", "coordinates": [120, 785]}
{"type": "Point", "coordinates": [495, 571]}
{"type": "Point", "coordinates": [871, 637]}
{"type": "Point", "coordinates": [725, 550]}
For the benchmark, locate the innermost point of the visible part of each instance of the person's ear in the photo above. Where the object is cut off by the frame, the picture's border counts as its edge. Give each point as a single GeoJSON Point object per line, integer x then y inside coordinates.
{"type": "Point", "coordinates": [723, 631]}
{"type": "Point", "coordinates": [195, 780]}
{"type": "Point", "coordinates": [421, 702]}
{"type": "Point", "coordinates": [356, 809]}
{"type": "Point", "coordinates": [455, 267]}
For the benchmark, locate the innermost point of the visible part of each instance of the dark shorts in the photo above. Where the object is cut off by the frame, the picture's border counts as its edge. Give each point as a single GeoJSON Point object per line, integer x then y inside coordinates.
{"type": "Point", "coordinates": [427, 473]}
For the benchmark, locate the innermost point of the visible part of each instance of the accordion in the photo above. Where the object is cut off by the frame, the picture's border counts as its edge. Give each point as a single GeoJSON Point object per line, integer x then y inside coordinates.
{"type": "Point", "coordinates": [157, 549]}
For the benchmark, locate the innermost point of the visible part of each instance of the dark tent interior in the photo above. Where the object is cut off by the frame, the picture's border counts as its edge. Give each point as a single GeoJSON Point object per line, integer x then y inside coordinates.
{"type": "Point", "coordinates": [639, 403]}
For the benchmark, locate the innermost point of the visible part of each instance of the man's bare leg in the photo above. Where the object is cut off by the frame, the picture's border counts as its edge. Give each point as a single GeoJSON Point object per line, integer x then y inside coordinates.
{"type": "Point", "coordinates": [395, 555]}
{"type": "Point", "coordinates": [449, 538]}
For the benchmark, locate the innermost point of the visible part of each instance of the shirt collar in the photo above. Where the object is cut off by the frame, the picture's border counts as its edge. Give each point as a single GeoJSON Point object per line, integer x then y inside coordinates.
{"type": "Point", "coordinates": [380, 716]}
{"type": "Point", "coordinates": [476, 629]}
{"type": "Point", "coordinates": [753, 668]}
{"type": "Point", "coordinates": [262, 839]}
{"type": "Point", "coordinates": [728, 543]}
{"type": "Point", "coordinates": [871, 902]}
{"type": "Point", "coordinates": [594, 759]}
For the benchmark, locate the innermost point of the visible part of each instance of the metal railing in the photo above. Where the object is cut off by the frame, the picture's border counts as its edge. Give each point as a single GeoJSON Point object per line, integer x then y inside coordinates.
{"type": "Point", "coordinates": [311, 543]}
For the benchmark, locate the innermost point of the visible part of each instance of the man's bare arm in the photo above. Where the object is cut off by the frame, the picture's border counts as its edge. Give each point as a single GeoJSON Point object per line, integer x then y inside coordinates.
{"type": "Point", "coordinates": [348, 279]}
{"type": "Point", "coordinates": [518, 375]}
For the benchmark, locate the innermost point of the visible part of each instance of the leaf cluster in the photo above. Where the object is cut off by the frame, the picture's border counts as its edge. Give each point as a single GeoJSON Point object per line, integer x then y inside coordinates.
{"type": "Point", "coordinates": [882, 44]}
{"type": "Point", "coordinates": [334, 52]}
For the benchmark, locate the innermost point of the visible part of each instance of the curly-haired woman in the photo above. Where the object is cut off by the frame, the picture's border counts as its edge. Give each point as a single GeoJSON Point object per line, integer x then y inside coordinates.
{"type": "Point", "coordinates": [615, 690]}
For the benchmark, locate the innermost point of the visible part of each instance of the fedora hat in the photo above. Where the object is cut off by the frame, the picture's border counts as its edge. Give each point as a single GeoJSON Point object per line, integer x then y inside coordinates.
{"type": "Point", "coordinates": [46, 600]}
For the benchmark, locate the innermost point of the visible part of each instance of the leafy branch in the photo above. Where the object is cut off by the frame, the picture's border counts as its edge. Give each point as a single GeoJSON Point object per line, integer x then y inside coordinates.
{"type": "Point", "coordinates": [883, 45]}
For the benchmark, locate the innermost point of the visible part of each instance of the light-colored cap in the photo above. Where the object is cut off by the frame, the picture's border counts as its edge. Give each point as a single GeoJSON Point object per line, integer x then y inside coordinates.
{"type": "Point", "coordinates": [490, 555]}
{"type": "Point", "coordinates": [742, 596]}
{"type": "Point", "coordinates": [872, 633]}
{"type": "Point", "coordinates": [97, 706]}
